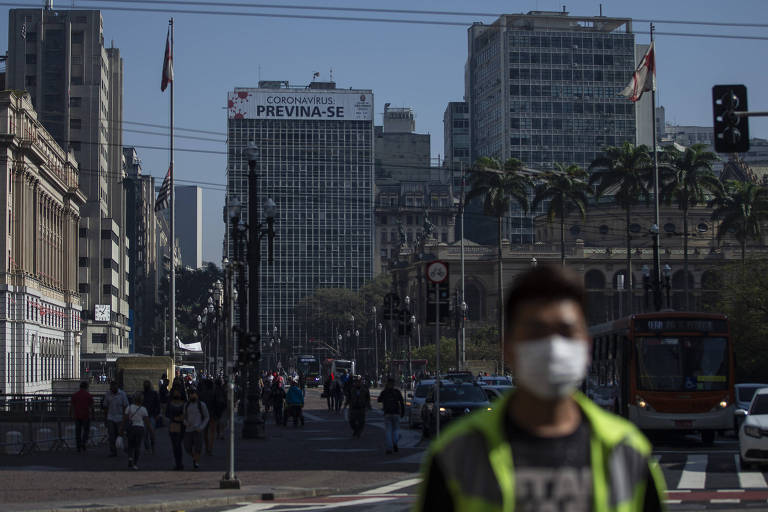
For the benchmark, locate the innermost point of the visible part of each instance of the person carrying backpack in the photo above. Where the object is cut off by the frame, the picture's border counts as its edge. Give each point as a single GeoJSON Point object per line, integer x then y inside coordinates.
{"type": "Point", "coordinates": [294, 401]}
{"type": "Point", "coordinates": [195, 420]}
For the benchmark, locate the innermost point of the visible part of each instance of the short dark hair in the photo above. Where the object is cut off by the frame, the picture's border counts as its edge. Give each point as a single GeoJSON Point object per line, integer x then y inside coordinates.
{"type": "Point", "coordinates": [84, 384]}
{"type": "Point", "coordinates": [546, 283]}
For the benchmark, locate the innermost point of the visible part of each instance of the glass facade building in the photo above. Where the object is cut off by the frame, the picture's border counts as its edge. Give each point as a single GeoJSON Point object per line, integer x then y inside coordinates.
{"type": "Point", "coordinates": [316, 163]}
{"type": "Point", "coordinates": [543, 87]}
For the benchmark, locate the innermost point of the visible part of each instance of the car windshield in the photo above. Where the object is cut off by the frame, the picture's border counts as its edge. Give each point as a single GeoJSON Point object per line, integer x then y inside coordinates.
{"type": "Point", "coordinates": [682, 363]}
{"type": "Point", "coordinates": [422, 390]}
{"type": "Point", "coordinates": [759, 406]}
{"type": "Point", "coordinates": [745, 393]}
{"type": "Point", "coordinates": [462, 394]}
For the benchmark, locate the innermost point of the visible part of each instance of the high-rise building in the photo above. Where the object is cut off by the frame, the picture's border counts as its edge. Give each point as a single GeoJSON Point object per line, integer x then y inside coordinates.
{"type": "Point", "coordinates": [75, 82]}
{"type": "Point", "coordinates": [456, 143]}
{"type": "Point", "coordinates": [316, 162]}
{"type": "Point", "coordinates": [189, 224]}
{"type": "Point", "coordinates": [143, 276]}
{"type": "Point", "coordinates": [39, 301]}
{"type": "Point", "coordinates": [401, 153]}
{"type": "Point", "coordinates": [543, 87]}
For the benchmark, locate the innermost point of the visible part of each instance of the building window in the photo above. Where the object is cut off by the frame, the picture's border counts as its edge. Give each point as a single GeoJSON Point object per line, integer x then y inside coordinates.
{"type": "Point", "coordinates": [75, 145]}
{"type": "Point", "coordinates": [83, 262]}
{"type": "Point", "coordinates": [31, 58]}
{"type": "Point", "coordinates": [83, 232]}
{"type": "Point", "coordinates": [83, 288]}
{"type": "Point", "coordinates": [77, 80]}
{"type": "Point", "coordinates": [75, 101]}
{"type": "Point", "coordinates": [77, 37]}
{"type": "Point", "coordinates": [30, 81]}
{"type": "Point", "coordinates": [75, 123]}
{"type": "Point", "coordinates": [106, 234]}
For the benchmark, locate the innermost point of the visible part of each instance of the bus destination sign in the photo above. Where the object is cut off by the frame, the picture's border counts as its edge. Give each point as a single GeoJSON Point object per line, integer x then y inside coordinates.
{"type": "Point", "coordinates": [680, 325]}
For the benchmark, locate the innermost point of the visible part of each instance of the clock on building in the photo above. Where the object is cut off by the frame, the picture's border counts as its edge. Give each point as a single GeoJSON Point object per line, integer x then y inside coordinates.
{"type": "Point", "coordinates": [101, 312]}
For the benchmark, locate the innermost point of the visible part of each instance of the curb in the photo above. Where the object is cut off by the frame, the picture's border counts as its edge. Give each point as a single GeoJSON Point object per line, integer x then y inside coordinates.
{"type": "Point", "coordinates": [159, 503]}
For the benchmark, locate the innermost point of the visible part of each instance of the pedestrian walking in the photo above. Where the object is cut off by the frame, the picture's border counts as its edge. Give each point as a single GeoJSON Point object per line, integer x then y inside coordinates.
{"type": "Point", "coordinates": [152, 405]}
{"type": "Point", "coordinates": [217, 407]}
{"type": "Point", "coordinates": [359, 401]}
{"type": "Point", "coordinates": [327, 391]}
{"type": "Point", "coordinates": [338, 394]}
{"type": "Point", "coordinates": [175, 414]}
{"type": "Point", "coordinates": [294, 401]}
{"type": "Point", "coordinates": [195, 420]}
{"type": "Point", "coordinates": [394, 408]}
{"type": "Point", "coordinates": [266, 396]}
{"type": "Point", "coordinates": [278, 397]}
{"type": "Point", "coordinates": [545, 446]}
{"type": "Point", "coordinates": [114, 404]}
{"type": "Point", "coordinates": [136, 423]}
{"type": "Point", "coordinates": [81, 410]}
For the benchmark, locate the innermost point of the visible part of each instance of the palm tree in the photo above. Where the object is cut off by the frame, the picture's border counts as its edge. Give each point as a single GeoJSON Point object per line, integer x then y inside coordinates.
{"type": "Point", "coordinates": [622, 171]}
{"type": "Point", "coordinates": [566, 189]}
{"type": "Point", "coordinates": [499, 186]}
{"type": "Point", "coordinates": [741, 208]}
{"type": "Point", "coordinates": [687, 177]}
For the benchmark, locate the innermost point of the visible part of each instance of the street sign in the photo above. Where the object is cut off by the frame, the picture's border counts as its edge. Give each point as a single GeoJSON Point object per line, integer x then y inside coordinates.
{"type": "Point", "coordinates": [437, 271]}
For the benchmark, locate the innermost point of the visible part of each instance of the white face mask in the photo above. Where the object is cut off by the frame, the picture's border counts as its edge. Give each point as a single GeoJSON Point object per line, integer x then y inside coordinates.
{"type": "Point", "coordinates": [551, 367]}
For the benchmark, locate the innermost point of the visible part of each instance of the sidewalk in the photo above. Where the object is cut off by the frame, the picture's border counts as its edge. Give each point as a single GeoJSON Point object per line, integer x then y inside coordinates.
{"type": "Point", "coordinates": [321, 458]}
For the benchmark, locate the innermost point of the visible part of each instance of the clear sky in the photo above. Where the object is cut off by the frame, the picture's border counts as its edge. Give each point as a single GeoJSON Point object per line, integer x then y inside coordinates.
{"type": "Point", "coordinates": [420, 66]}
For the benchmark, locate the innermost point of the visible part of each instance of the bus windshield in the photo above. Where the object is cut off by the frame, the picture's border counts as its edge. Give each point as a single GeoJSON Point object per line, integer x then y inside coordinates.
{"type": "Point", "coordinates": [684, 363]}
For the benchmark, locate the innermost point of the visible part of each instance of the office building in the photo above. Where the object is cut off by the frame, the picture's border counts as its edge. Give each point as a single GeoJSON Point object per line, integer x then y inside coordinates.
{"type": "Point", "coordinates": [75, 82]}
{"type": "Point", "coordinates": [316, 162]}
{"type": "Point", "coordinates": [39, 301]}
{"type": "Point", "coordinates": [189, 225]}
{"type": "Point", "coordinates": [400, 152]}
{"type": "Point", "coordinates": [456, 142]}
{"type": "Point", "coordinates": [143, 276]}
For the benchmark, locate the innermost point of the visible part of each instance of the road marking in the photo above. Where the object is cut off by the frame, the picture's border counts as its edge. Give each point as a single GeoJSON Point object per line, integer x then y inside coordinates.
{"type": "Point", "coordinates": [695, 473]}
{"type": "Point", "coordinates": [309, 506]}
{"type": "Point", "coordinates": [749, 479]}
{"type": "Point", "coordinates": [673, 502]}
{"type": "Point", "coordinates": [393, 487]}
{"type": "Point", "coordinates": [725, 500]}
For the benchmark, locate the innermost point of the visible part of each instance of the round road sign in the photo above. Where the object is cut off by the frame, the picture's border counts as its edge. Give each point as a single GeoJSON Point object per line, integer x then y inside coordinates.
{"type": "Point", "coordinates": [437, 271]}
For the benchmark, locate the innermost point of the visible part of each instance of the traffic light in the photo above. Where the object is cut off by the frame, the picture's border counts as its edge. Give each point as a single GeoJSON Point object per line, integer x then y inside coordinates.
{"type": "Point", "coordinates": [391, 303]}
{"type": "Point", "coordinates": [443, 298]}
{"type": "Point", "coordinates": [404, 327]}
{"type": "Point", "coordinates": [248, 353]}
{"type": "Point", "coordinates": [731, 131]}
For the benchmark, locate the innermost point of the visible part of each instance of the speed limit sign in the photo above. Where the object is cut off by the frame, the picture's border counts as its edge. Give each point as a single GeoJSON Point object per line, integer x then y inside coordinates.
{"type": "Point", "coordinates": [437, 271]}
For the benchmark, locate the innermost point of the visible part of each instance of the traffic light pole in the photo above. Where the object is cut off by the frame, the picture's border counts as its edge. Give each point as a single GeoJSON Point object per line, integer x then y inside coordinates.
{"type": "Point", "coordinates": [437, 356]}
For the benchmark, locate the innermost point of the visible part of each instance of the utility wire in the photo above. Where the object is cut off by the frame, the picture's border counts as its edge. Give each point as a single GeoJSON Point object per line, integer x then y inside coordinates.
{"type": "Point", "coordinates": [407, 11]}
{"type": "Point", "coordinates": [351, 18]}
{"type": "Point", "coordinates": [143, 132]}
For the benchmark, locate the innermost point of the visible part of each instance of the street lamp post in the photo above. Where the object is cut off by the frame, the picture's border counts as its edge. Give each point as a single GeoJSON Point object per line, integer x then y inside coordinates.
{"type": "Point", "coordinates": [410, 364]}
{"type": "Point", "coordinates": [667, 284]}
{"type": "Point", "coordinates": [654, 283]}
{"type": "Point", "coordinates": [253, 427]}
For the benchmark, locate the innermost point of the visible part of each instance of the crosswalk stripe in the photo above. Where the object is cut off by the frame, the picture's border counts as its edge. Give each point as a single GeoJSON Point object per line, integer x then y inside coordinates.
{"type": "Point", "coordinates": [393, 487]}
{"type": "Point", "coordinates": [749, 479]}
{"type": "Point", "coordinates": [695, 472]}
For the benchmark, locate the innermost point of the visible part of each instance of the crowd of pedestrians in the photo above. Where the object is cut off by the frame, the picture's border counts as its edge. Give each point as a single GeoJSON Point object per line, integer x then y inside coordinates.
{"type": "Point", "coordinates": [193, 412]}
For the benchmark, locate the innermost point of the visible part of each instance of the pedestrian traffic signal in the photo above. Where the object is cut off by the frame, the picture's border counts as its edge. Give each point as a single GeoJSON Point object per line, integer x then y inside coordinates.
{"type": "Point", "coordinates": [731, 130]}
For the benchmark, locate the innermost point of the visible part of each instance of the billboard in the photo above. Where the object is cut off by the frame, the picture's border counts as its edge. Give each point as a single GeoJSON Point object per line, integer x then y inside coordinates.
{"type": "Point", "coordinates": [292, 104]}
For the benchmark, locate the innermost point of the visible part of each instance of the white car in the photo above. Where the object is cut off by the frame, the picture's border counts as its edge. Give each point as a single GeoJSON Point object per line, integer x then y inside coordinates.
{"type": "Point", "coordinates": [494, 380]}
{"type": "Point", "coordinates": [415, 401]}
{"type": "Point", "coordinates": [744, 393]}
{"type": "Point", "coordinates": [753, 434]}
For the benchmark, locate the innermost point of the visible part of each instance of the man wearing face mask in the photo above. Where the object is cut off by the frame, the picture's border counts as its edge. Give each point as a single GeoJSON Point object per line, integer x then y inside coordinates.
{"type": "Point", "coordinates": [545, 446]}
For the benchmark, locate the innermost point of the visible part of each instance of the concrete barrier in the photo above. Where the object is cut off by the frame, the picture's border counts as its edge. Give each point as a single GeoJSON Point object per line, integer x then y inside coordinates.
{"type": "Point", "coordinates": [13, 442]}
{"type": "Point", "coordinates": [45, 439]}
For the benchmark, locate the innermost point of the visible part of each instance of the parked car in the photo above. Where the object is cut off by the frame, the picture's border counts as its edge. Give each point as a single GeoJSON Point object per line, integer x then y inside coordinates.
{"type": "Point", "coordinates": [494, 380]}
{"type": "Point", "coordinates": [458, 376]}
{"type": "Point", "coordinates": [496, 392]}
{"type": "Point", "coordinates": [414, 401]}
{"type": "Point", "coordinates": [456, 400]}
{"type": "Point", "coordinates": [744, 393]}
{"type": "Point", "coordinates": [753, 434]}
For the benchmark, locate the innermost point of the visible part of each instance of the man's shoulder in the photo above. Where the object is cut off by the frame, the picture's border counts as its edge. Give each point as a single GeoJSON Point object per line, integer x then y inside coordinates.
{"type": "Point", "coordinates": [611, 428]}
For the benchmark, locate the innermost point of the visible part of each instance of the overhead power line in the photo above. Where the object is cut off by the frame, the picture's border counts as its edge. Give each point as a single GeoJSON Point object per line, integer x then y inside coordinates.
{"type": "Point", "coordinates": [349, 18]}
{"type": "Point", "coordinates": [406, 11]}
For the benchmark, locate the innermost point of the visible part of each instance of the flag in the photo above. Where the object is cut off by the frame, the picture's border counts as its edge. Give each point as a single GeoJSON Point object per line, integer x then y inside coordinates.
{"type": "Point", "coordinates": [167, 63]}
{"type": "Point", "coordinates": [644, 77]}
{"type": "Point", "coordinates": [165, 189]}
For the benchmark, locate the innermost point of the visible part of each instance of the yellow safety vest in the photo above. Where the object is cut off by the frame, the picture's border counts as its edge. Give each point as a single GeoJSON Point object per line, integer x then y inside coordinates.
{"type": "Point", "coordinates": [476, 461]}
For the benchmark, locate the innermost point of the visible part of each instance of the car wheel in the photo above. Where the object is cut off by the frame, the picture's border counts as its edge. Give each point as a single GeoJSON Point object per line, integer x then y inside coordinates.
{"type": "Point", "coordinates": [708, 437]}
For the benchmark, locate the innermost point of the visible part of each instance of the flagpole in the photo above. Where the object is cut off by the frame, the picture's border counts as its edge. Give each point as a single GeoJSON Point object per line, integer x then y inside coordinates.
{"type": "Point", "coordinates": [173, 224]}
{"type": "Point", "coordinates": [655, 232]}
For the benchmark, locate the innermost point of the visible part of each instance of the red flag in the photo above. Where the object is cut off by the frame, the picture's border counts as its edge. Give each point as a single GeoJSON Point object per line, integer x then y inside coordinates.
{"type": "Point", "coordinates": [644, 77]}
{"type": "Point", "coordinates": [167, 63]}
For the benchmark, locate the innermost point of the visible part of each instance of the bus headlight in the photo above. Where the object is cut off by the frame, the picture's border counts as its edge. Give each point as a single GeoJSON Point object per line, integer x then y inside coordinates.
{"type": "Point", "coordinates": [723, 404]}
{"type": "Point", "coordinates": [641, 403]}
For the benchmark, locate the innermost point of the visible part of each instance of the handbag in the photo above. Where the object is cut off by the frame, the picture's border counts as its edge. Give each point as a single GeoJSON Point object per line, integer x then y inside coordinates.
{"type": "Point", "coordinates": [120, 443]}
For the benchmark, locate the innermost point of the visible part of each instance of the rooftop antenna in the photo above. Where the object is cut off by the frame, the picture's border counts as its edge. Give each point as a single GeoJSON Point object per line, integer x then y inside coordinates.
{"type": "Point", "coordinates": [601, 10]}
{"type": "Point", "coordinates": [331, 75]}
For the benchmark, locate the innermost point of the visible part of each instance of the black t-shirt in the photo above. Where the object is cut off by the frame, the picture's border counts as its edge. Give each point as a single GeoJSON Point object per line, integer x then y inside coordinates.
{"type": "Point", "coordinates": [553, 474]}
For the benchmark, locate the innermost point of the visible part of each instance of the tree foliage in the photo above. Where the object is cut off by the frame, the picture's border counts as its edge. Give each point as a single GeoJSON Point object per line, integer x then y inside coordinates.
{"type": "Point", "coordinates": [744, 298]}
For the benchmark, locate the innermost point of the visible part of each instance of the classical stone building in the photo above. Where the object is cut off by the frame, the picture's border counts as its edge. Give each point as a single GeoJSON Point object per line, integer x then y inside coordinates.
{"type": "Point", "coordinates": [39, 301]}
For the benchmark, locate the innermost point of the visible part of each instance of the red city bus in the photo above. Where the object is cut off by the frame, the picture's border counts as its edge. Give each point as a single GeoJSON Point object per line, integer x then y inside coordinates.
{"type": "Point", "coordinates": [665, 371]}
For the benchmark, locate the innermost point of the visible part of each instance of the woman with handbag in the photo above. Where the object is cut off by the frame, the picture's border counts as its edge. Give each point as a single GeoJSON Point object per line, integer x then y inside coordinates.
{"type": "Point", "coordinates": [175, 414]}
{"type": "Point", "coordinates": [136, 421]}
